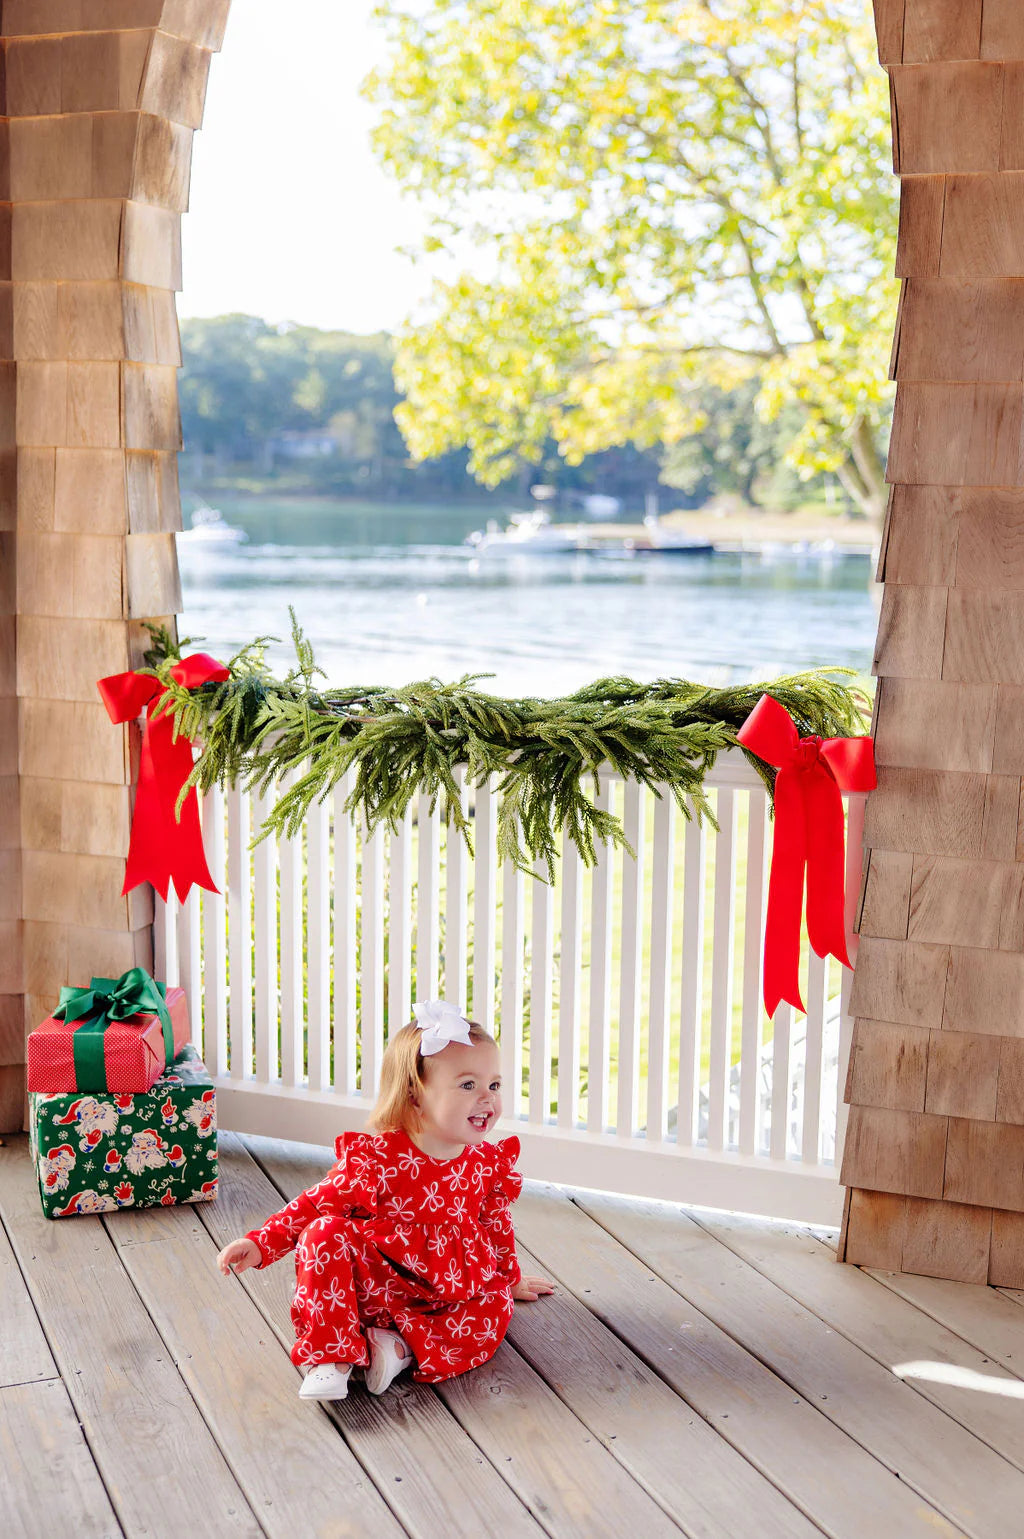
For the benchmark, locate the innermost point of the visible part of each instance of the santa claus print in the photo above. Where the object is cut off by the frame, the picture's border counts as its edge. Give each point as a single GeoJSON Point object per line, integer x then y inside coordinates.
{"type": "Point", "coordinates": [202, 1114]}
{"type": "Point", "coordinates": [94, 1119]}
{"type": "Point", "coordinates": [55, 1167]}
{"type": "Point", "coordinates": [146, 1152]}
{"type": "Point", "coordinates": [98, 1202]}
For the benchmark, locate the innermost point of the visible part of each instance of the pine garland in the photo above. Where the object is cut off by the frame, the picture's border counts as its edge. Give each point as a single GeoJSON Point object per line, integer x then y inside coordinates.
{"type": "Point", "coordinates": [255, 729]}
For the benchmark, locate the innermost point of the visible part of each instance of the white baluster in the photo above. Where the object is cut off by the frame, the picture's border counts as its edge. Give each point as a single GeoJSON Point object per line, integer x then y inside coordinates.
{"type": "Point", "coordinates": [318, 946]}
{"type": "Point", "coordinates": [782, 1031]}
{"type": "Point", "coordinates": [346, 1021]}
{"type": "Point", "coordinates": [753, 953]}
{"type": "Point", "coordinates": [456, 919]}
{"type": "Point", "coordinates": [159, 943]}
{"type": "Point", "coordinates": [428, 899]}
{"type": "Point", "coordinates": [166, 952]}
{"type": "Point", "coordinates": [541, 974]}
{"type": "Point", "coordinates": [569, 990]}
{"type": "Point", "coordinates": [599, 1025]}
{"type": "Point", "coordinates": [692, 1005]}
{"type": "Point", "coordinates": [632, 959]}
{"type": "Point", "coordinates": [371, 1032]}
{"type": "Point", "coordinates": [190, 969]}
{"type": "Point", "coordinates": [662, 872]}
{"type": "Point", "coordinates": [485, 900]}
{"type": "Point", "coordinates": [722, 956]}
{"type": "Point", "coordinates": [239, 935]}
{"type": "Point", "coordinates": [265, 952]}
{"type": "Point", "coordinates": [292, 1008]}
{"type": "Point", "coordinates": [400, 926]}
{"type": "Point", "coordinates": [814, 1032]}
{"type": "Point", "coordinates": [511, 1037]}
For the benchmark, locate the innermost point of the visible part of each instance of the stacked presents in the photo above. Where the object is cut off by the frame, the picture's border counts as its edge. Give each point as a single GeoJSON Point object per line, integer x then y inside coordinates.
{"type": "Point", "coordinates": [122, 1112]}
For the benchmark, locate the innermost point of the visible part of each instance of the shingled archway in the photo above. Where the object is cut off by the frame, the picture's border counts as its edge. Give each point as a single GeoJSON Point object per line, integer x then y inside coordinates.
{"type": "Point", "coordinates": [103, 97]}
{"type": "Point", "coordinates": [935, 1145]}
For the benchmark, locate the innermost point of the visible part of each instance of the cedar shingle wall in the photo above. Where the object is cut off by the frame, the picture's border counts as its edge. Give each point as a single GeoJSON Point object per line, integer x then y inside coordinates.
{"type": "Point", "coordinates": [102, 100]}
{"type": "Point", "coordinates": [934, 1154]}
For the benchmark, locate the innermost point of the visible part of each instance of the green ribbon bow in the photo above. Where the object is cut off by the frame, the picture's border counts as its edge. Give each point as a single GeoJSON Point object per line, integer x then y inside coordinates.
{"type": "Point", "coordinates": [107, 1000]}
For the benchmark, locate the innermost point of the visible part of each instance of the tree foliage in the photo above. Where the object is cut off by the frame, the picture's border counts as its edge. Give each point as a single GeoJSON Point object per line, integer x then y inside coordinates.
{"type": "Point", "coordinates": [245, 382]}
{"type": "Point", "coordinates": [667, 195]}
{"type": "Point", "coordinates": [245, 379]}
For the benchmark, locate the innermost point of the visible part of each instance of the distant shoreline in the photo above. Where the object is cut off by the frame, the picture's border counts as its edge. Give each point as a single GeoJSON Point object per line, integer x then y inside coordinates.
{"type": "Point", "coordinates": [752, 530]}
{"type": "Point", "coordinates": [745, 529]}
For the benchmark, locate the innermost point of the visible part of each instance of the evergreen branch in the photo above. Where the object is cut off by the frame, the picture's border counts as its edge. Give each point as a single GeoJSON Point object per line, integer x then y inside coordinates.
{"type": "Point", "coordinates": [299, 740]}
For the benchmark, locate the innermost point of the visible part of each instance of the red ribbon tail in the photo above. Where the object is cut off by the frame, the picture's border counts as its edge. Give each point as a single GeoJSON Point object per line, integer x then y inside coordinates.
{"type": "Point", "coordinates": [826, 867]}
{"type": "Point", "coordinates": [785, 897]}
{"type": "Point", "coordinates": [163, 849]}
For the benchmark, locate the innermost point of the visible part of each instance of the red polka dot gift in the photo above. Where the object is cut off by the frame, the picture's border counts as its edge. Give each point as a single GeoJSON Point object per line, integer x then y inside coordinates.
{"type": "Point", "coordinates": [117, 1035]}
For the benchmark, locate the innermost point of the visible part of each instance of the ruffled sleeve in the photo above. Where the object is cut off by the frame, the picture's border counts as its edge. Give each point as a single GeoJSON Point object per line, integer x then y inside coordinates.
{"type": "Point", "coordinates": [495, 1219]}
{"type": "Point", "coordinates": [349, 1190]}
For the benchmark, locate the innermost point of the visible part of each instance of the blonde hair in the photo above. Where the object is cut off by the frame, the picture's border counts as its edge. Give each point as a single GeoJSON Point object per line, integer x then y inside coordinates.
{"type": "Point", "coordinates": [401, 1078]}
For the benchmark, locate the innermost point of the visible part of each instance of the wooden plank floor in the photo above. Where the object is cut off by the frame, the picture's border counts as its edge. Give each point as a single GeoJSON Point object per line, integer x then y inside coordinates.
{"type": "Point", "coordinates": [694, 1373]}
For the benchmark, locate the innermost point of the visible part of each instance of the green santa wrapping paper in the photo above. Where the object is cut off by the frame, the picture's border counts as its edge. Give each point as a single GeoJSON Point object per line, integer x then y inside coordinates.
{"type": "Point", "coordinates": [98, 1153]}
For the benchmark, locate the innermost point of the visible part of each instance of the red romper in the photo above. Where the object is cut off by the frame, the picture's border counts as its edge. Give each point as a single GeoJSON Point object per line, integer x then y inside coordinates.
{"type": "Point", "coordinates": [395, 1238]}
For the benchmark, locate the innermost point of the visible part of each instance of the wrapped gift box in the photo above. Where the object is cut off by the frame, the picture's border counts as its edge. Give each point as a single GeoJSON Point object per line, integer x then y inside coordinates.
{"type": "Point", "coordinates": [133, 1050]}
{"type": "Point", "coordinates": [98, 1153]}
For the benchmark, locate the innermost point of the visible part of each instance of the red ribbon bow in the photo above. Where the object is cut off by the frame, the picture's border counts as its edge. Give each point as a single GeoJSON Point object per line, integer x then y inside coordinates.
{"type": "Point", "coordinates": [813, 772]}
{"type": "Point", "coordinates": [162, 848]}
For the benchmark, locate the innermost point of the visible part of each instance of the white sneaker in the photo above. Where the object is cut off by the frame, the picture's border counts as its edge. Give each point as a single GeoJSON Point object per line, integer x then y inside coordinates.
{"type": "Point", "coordinates": [386, 1358]}
{"type": "Point", "coordinates": [327, 1381]}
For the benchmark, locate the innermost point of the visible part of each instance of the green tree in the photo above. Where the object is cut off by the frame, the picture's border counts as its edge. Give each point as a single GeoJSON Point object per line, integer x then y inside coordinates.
{"type": "Point", "coordinates": [244, 381]}
{"type": "Point", "coordinates": [734, 451]}
{"type": "Point", "coordinates": [670, 195]}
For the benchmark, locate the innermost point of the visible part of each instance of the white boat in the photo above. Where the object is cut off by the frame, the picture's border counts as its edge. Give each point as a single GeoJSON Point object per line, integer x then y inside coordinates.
{"type": "Point", "coordinates": [527, 532]}
{"type": "Point", "coordinates": [653, 539]}
{"type": "Point", "coordinates": [210, 527]}
{"type": "Point", "coordinates": [535, 533]}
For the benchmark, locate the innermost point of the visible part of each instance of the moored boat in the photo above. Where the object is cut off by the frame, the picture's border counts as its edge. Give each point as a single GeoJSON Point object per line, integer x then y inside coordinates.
{"type": "Point", "coordinates": [210, 527]}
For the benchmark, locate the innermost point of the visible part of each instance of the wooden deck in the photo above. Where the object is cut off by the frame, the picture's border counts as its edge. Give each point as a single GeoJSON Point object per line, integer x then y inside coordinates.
{"type": "Point", "coordinates": [694, 1373]}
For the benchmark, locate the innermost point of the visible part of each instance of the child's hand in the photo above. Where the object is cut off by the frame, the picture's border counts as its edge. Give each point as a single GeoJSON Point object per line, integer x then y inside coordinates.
{"type": "Point", "coordinates": [239, 1255]}
{"type": "Point", "coordinates": [529, 1289]}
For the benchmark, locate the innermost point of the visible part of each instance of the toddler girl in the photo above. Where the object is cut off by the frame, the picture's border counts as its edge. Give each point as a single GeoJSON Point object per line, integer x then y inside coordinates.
{"type": "Point", "coordinates": [404, 1252]}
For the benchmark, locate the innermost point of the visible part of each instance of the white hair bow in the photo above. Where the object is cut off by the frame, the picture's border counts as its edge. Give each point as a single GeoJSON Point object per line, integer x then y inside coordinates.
{"type": "Point", "coordinates": [439, 1023]}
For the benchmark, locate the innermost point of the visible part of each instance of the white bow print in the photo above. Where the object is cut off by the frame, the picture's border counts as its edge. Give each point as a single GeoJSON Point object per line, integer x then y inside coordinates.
{"type": "Point", "coordinates": [439, 1023]}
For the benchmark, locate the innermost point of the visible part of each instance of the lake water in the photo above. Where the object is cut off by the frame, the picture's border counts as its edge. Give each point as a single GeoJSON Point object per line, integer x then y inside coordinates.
{"type": "Point", "coordinates": [391, 595]}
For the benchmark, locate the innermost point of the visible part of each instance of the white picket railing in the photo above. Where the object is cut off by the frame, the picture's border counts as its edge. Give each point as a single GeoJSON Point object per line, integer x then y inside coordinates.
{"type": "Point", "coordinates": [635, 1052]}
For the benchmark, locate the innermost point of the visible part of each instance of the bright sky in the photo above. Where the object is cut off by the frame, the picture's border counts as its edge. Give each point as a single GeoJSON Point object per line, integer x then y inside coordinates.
{"type": "Point", "coordinates": [290, 216]}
